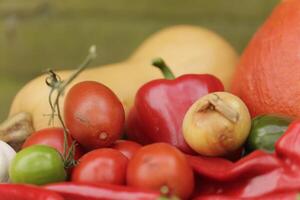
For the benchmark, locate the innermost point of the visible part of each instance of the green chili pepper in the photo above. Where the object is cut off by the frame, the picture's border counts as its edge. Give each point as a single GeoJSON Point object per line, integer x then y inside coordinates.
{"type": "Point", "coordinates": [265, 131]}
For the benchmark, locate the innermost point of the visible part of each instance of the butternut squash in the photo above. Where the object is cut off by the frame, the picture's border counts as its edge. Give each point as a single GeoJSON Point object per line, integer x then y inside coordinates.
{"type": "Point", "coordinates": [187, 49]}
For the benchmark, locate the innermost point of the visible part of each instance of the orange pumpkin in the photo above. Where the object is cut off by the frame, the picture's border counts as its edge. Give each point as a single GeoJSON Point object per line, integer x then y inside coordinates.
{"type": "Point", "coordinates": [268, 75]}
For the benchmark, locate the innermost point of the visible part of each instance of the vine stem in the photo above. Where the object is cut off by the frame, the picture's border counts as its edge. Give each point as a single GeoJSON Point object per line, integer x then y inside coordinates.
{"type": "Point", "coordinates": [56, 84]}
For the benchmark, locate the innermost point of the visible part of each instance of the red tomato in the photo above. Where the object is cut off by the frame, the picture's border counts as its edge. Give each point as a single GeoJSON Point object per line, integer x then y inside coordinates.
{"type": "Point", "coordinates": [53, 137]}
{"type": "Point", "coordinates": [101, 166]}
{"type": "Point", "coordinates": [160, 164]}
{"type": "Point", "coordinates": [128, 148]}
{"type": "Point", "coordinates": [93, 114]}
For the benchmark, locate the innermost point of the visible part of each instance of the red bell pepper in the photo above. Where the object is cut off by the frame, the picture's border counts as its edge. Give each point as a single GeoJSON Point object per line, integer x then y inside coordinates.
{"type": "Point", "coordinates": [255, 175]}
{"type": "Point", "coordinates": [160, 106]}
{"type": "Point", "coordinates": [26, 192]}
{"type": "Point", "coordinates": [86, 191]}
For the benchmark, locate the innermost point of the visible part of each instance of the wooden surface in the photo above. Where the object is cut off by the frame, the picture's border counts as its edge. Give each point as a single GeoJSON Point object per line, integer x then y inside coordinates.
{"type": "Point", "coordinates": [35, 35]}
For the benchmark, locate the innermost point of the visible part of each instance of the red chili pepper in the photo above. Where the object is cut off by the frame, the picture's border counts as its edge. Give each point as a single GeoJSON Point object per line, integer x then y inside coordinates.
{"type": "Point", "coordinates": [255, 175]}
{"type": "Point", "coordinates": [85, 191]}
{"type": "Point", "coordinates": [220, 169]}
{"type": "Point", "coordinates": [288, 146]}
{"type": "Point", "coordinates": [26, 192]}
{"type": "Point", "coordinates": [160, 106]}
{"type": "Point", "coordinates": [293, 195]}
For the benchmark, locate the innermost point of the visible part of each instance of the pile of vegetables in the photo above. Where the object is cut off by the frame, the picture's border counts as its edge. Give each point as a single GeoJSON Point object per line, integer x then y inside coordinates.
{"type": "Point", "coordinates": [201, 52]}
{"type": "Point", "coordinates": [170, 136]}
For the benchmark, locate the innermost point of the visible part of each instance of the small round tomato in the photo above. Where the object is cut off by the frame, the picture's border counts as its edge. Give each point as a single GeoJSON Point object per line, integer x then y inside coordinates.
{"type": "Point", "coordinates": [104, 165]}
{"type": "Point", "coordinates": [157, 165]}
{"type": "Point", "coordinates": [93, 114]}
{"type": "Point", "coordinates": [126, 147]}
{"type": "Point", "coordinates": [37, 165]}
{"type": "Point", "coordinates": [53, 137]}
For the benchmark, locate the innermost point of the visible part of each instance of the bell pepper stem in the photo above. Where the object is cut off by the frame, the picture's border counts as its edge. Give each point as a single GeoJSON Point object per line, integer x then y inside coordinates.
{"type": "Point", "coordinates": [163, 67]}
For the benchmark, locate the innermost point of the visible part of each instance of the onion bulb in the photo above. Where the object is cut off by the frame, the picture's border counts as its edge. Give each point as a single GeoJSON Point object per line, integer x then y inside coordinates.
{"type": "Point", "coordinates": [217, 124]}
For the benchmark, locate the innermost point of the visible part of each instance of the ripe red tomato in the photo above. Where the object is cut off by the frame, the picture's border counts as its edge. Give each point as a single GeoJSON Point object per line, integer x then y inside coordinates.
{"type": "Point", "coordinates": [53, 137]}
{"type": "Point", "coordinates": [128, 148]}
{"type": "Point", "coordinates": [104, 165]}
{"type": "Point", "coordinates": [160, 164]}
{"type": "Point", "coordinates": [93, 114]}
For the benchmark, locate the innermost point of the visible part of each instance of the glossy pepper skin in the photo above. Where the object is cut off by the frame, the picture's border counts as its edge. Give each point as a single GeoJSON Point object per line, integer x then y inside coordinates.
{"type": "Point", "coordinates": [26, 192]}
{"type": "Point", "coordinates": [160, 106]}
{"type": "Point", "coordinates": [265, 131]}
{"type": "Point", "coordinates": [224, 170]}
{"type": "Point", "coordinates": [293, 195]}
{"type": "Point", "coordinates": [257, 174]}
{"type": "Point", "coordinates": [87, 191]}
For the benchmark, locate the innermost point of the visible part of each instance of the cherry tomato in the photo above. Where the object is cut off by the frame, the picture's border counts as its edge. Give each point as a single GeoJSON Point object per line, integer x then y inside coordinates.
{"type": "Point", "coordinates": [126, 147]}
{"type": "Point", "coordinates": [104, 165]}
{"type": "Point", "coordinates": [93, 114]}
{"type": "Point", "coordinates": [37, 165]}
{"type": "Point", "coordinates": [160, 164]}
{"type": "Point", "coordinates": [53, 137]}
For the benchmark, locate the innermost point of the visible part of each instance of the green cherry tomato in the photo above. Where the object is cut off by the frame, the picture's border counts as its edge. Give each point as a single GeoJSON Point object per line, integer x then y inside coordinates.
{"type": "Point", "coordinates": [265, 131]}
{"type": "Point", "coordinates": [37, 165]}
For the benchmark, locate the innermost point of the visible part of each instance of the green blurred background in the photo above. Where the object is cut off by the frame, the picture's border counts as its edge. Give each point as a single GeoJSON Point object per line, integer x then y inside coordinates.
{"type": "Point", "coordinates": [39, 34]}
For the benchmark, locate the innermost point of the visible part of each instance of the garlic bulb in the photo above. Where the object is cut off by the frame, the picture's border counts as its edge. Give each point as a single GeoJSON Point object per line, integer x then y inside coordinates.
{"type": "Point", "coordinates": [7, 153]}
